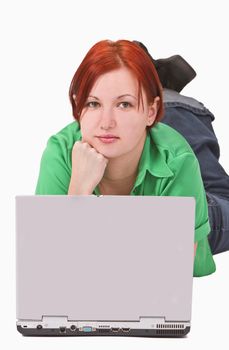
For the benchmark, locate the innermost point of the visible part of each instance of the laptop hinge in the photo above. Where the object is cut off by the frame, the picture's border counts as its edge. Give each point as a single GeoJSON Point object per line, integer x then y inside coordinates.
{"type": "Point", "coordinates": [55, 320]}
{"type": "Point", "coordinates": [146, 321]}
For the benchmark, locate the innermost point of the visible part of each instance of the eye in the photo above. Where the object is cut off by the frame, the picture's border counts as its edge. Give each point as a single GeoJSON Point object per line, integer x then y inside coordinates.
{"type": "Point", "coordinates": [94, 104]}
{"type": "Point", "coordinates": [90, 104]}
{"type": "Point", "coordinates": [126, 104]}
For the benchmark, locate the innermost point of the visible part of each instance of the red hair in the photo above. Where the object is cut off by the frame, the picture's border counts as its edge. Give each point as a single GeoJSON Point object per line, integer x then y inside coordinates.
{"type": "Point", "coordinates": [107, 55]}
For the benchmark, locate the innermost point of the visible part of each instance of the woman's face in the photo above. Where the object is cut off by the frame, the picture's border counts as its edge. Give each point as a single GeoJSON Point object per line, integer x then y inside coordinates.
{"type": "Point", "coordinates": [111, 108]}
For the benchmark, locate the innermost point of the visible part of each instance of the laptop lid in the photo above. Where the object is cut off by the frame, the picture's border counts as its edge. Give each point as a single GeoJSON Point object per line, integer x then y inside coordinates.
{"type": "Point", "coordinates": [99, 261]}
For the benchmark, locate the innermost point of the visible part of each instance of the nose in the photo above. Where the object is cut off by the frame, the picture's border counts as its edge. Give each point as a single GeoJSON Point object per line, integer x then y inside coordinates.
{"type": "Point", "coordinates": [107, 119]}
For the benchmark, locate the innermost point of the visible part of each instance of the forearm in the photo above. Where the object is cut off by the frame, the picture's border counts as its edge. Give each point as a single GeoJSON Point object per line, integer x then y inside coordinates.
{"type": "Point", "coordinates": [195, 247]}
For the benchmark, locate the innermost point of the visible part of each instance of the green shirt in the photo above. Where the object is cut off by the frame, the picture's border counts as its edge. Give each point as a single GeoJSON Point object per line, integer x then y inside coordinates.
{"type": "Point", "coordinates": [167, 167]}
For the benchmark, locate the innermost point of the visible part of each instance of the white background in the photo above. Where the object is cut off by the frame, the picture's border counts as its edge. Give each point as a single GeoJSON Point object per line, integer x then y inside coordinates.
{"type": "Point", "coordinates": [42, 43]}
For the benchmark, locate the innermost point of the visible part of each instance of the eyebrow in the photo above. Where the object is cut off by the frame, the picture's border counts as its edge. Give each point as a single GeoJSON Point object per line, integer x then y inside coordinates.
{"type": "Point", "coordinates": [117, 98]}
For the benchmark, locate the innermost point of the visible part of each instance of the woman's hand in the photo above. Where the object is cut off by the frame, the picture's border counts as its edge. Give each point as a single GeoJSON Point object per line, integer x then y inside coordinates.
{"type": "Point", "coordinates": [88, 167]}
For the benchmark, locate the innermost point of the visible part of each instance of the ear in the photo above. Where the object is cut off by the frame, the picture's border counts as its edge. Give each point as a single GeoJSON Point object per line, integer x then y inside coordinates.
{"type": "Point", "coordinates": [153, 109]}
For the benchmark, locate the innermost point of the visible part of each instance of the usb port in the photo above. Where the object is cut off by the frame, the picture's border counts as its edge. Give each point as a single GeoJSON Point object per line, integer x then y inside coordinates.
{"type": "Point", "coordinates": [125, 329]}
{"type": "Point", "coordinates": [115, 329]}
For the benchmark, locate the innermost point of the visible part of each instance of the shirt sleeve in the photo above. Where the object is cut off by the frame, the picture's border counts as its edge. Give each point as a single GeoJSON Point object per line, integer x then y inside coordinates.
{"type": "Point", "coordinates": [187, 182]}
{"type": "Point", "coordinates": [55, 173]}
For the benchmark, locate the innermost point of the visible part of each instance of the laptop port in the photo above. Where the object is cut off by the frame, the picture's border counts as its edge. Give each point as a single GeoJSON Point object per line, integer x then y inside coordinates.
{"type": "Point", "coordinates": [39, 326]}
{"type": "Point", "coordinates": [125, 329]}
{"type": "Point", "coordinates": [87, 329]}
{"type": "Point", "coordinates": [62, 329]}
{"type": "Point", "coordinates": [73, 327]}
{"type": "Point", "coordinates": [115, 329]}
{"type": "Point", "coordinates": [104, 330]}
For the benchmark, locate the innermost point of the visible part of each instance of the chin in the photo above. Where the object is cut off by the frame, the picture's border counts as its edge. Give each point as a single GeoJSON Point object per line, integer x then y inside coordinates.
{"type": "Point", "coordinates": [108, 154]}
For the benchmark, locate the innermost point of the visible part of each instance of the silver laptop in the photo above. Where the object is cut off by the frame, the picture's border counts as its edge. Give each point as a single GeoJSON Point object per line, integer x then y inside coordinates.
{"type": "Point", "coordinates": [104, 265]}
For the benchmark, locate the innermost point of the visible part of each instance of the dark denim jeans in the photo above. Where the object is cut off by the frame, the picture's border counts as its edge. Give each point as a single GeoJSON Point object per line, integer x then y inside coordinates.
{"type": "Point", "coordinates": [194, 121]}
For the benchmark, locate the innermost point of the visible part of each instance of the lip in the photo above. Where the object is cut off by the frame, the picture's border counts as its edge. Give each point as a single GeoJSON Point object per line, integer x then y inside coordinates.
{"type": "Point", "coordinates": [108, 139]}
{"type": "Point", "coordinates": [108, 136]}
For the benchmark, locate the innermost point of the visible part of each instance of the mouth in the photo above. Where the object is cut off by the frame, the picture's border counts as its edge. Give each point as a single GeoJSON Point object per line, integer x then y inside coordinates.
{"type": "Point", "coordinates": [108, 139]}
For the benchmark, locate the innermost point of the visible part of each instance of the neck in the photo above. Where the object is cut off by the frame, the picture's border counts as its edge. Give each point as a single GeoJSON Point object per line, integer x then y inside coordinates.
{"type": "Point", "coordinates": [121, 172]}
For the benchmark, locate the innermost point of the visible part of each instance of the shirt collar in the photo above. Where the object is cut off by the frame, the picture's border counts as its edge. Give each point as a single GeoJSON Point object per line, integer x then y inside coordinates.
{"type": "Point", "coordinates": [152, 160]}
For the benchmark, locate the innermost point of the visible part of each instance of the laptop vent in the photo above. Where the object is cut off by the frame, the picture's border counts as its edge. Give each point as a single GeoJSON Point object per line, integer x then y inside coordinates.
{"type": "Point", "coordinates": [170, 329]}
{"type": "Point", "coordinates": [169, 326]}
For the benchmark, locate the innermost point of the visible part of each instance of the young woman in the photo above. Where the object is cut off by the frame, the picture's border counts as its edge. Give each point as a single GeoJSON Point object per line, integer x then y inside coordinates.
{"type": "Point", "coordinates": [117, 144]}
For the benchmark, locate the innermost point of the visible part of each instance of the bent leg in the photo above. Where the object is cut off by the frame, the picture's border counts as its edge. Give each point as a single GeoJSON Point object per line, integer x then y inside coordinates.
{"type": "Point", "coordinates": [218, 212]}
{"type": "Point", "coordinates": [194, 121]}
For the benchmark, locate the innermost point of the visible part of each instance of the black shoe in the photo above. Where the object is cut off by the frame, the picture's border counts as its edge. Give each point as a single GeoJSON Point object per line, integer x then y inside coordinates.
{"type": "Point", "coordinates": [174, 72]}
